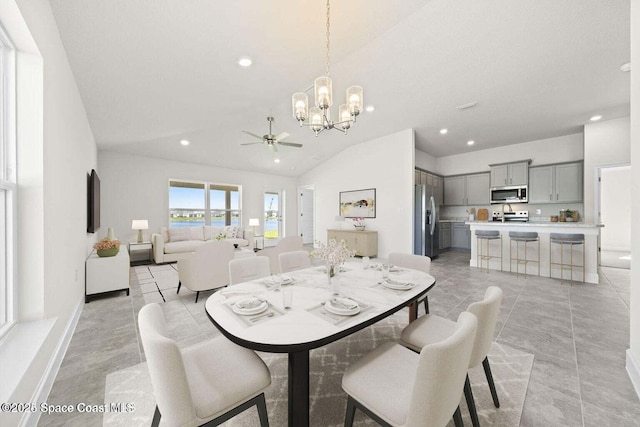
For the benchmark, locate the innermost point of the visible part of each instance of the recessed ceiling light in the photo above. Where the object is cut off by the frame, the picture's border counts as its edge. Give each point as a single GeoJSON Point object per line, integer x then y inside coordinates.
{"type": "Point", "coordinates": [369, 108]}
{"type": "Point", "coordinates": [245, 61]}
{"type": "Point", "coordinates": [595, 118]}
{"type": "Point", "coordinates": [626, 67]}
{"type": "Point", "coordinates": [471, 142]}
{"type": "Point", "coordinates": [443, 131]}
{"type": "Point", "coordinates": [276, 160]}
{"type": "Point", "coordinates": [184, 142]}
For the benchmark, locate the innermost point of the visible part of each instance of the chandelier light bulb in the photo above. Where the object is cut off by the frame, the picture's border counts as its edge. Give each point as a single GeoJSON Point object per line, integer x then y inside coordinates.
{"type": "Point", "coordinates": [300, 104]}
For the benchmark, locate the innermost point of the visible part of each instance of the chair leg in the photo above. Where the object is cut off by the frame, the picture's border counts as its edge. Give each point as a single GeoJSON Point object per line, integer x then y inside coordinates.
{"type": "Point", "coordinates": [471, 404]}
{"type": "Point", "coordinates": [156, 418]}
{"type": "Point", "coordinates": [457, 418]}
{"type": "Point", "coordinates": [492, 387]}
{"type": "Point", "coordinates": [426, 305]}
{"type": "Point", "coordinates": [262, 411]}
{"type": "Point", "coordinates": [179, 284]}
{"type": "Point", "coordinates": [351, 412]}
{"type": "Point", "coordinates": [197, 295]}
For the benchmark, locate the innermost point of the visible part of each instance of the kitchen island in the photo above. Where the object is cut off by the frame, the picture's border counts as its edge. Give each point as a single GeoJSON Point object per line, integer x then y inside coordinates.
{"type": "Point", "coordinates": [544, 229]}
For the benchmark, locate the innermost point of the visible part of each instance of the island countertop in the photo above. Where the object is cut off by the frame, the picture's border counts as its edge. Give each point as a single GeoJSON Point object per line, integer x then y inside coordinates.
{"type": "Point", "coordinates": [546, 250]}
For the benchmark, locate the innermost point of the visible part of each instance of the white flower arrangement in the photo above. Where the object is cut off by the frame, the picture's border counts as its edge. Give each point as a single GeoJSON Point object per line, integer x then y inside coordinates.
{"type": "Point", "coordinates": [333, 253]}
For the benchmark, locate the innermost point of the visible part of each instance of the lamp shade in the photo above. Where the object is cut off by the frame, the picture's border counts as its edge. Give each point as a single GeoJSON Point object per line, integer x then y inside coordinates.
{"type": "Point", "coordinates": [254, 222]}
{"type": "Point", "coordinates": [139, 224]}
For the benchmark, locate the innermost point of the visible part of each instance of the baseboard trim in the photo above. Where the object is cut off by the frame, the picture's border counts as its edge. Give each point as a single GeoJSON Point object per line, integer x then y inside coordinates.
{"type": "Point", "coordinates": [633, 369]}
{"type": "Point", "coordinates": [41, 393]}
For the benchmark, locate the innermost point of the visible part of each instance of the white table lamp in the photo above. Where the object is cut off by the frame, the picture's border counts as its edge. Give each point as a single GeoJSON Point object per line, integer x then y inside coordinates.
{"type": "Point", "coordinates": [139, 224]}
{"type": "Point", "coordinates": [254, 222]}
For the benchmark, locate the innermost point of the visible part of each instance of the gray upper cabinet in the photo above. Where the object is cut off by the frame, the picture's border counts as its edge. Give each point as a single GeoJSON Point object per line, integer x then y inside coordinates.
{"type": "Point", "coordinates": [510, 174]}
{"type": "Point", "coordinates": [454, 193]}
{"type": "Point", "coordinates": [466, 190]}
{"type": "Point", "coordinates": [559, 183]}
{"type": "Point", "coordinates": [477, 189]}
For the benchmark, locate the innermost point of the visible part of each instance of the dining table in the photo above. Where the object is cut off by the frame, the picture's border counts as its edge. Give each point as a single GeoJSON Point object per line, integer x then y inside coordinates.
{"type": "Point", "coordinates": [322, 310]}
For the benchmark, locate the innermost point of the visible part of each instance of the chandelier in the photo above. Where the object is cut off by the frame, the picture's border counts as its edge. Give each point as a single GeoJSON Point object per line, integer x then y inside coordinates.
{"type": "Point", "coordinates": [318, 117]}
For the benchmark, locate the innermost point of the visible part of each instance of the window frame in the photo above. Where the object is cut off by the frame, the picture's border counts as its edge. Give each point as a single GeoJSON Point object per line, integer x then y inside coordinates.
{"type": "Point", "coordinates": [208, 210]}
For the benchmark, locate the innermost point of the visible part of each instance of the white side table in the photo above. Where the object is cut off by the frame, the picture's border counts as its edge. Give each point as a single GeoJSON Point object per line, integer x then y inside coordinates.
{"type": "Point", "coordinates": [106, 274]}
{"type": "Point", "coordinates": [140, 253]}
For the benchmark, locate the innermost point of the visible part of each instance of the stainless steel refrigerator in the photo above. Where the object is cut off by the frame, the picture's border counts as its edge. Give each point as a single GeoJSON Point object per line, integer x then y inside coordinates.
{"type": "Point", "coordinates": [425, 227]}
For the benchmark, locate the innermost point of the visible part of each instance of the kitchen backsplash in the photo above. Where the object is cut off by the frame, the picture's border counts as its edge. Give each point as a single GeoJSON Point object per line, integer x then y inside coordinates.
{"type": "Point", "coordinates": [546, 210]}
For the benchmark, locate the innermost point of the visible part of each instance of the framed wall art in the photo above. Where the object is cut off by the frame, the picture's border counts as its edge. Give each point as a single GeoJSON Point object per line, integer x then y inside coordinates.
{"type": "Point", "coordinates": [358, 203]}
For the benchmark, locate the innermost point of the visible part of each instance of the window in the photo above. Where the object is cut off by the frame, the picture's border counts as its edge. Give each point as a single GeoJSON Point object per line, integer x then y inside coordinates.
{"type": "Point", "coordinates": [7, 183]}
{"type": "Point", "coordinates": [199, 203]}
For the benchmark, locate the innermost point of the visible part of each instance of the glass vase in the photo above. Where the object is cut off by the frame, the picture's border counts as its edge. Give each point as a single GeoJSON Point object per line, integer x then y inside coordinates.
{"type": "Point", "coordinates": [334, 282]}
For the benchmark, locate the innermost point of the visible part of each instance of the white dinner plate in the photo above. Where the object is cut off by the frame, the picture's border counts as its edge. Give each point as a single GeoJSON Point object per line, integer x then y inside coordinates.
{"type": "Point", "coordinates": [342, 306]}
{"type": "Point", "coordinates": [394, 284]}
{"type": "Point", "coordinates": [249, 305]}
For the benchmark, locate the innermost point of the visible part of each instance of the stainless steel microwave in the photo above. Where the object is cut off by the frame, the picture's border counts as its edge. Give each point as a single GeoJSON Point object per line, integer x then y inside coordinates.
{"type": "Point", "coordinates": [515, 194]}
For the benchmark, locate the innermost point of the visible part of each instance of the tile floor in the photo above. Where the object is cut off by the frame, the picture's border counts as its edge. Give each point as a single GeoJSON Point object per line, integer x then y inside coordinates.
{"type": "Point", "coordinates": [578, 334]}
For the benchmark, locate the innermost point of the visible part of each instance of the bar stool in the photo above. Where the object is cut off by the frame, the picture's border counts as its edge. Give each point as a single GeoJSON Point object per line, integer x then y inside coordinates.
{"type": "Point", "coordinates": [563, 239]}
{"type": "Point", "coordinates": [487, 236]}
{"type": "Point", "coordinates": [525, 237]}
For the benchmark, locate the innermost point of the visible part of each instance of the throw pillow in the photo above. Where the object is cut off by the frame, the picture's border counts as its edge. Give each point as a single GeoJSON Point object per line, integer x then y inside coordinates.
{"type": "Point", "coordinates": [231, 231]}
{"type": "Point", "coordinates": [216, 231]}
{"type": "Point", "coordinates": [196, 233]}
{"type": "Point", "coordinates": [179, 234]}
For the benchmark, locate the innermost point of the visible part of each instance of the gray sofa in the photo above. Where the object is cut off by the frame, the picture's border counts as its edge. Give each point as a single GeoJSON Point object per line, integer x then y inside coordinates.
{"type": "Point", "coordinates": [172, 244]}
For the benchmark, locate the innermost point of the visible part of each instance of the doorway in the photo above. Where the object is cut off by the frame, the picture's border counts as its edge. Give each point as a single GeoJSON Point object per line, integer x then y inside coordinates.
{"type": "Point", "coordinates": [273, 221]}
{"type": "Point", "coordinates": [614, 190]}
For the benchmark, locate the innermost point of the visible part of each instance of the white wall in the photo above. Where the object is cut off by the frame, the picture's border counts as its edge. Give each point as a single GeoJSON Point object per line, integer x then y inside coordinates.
{"type": "Point", "coordinates": [386, 164]}
{"type": "Point", "coordinates": [605, 143]}
{"type": "Point", "coordinates": [136, 187]}
{"type": "Point", "coordinates": [633, 359]}
{"type": "Point", "coordinates": [54, 158]}
{"type": "Point", "coordinates": [615, 208]}
{"type": "Point", "coordinates": [425, 161]}
{"type": "Point", "coordinates": [545, 151]}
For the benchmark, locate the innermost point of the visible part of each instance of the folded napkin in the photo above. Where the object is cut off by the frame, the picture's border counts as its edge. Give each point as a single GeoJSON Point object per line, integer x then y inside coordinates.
{"type": "Point", "coordinates": [344, 303]}
{"type": "Point", "coordinates": [397, 283]}
{"type": "Point", "coordinates": [249, 303]}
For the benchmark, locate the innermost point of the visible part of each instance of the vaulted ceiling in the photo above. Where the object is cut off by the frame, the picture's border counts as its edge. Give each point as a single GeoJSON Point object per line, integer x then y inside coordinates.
{"type": "Point", "coordinates": [151, 73]}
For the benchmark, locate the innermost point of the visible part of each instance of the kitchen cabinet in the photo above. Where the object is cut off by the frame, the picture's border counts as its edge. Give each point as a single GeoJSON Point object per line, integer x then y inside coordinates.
{"type": "Point", "coordinates": [431, 180]}
{"type": "Point", "coordinates": [510, 174]}
{"type": "Point", "coordinates": [466, 190]}
{"type": "Point", "coordinates": [460, 235]}
{"type": "Point", "coordinates": [445, 235]}
{"type": "Point", "coordinates": [364, 242]}
{"type": "Point", "coordinates": [561, 183]}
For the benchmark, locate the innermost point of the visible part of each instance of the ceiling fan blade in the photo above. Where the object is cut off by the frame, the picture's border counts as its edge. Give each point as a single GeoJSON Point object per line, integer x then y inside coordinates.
{"type": "Point", "coordinates": [273, 148]}
{"type": "Point", "coordinates": [290, 144]}
{"type": "Point", "coordinates": [253, 134]}
{"type": "Point", "coordinates": [251, 143]}
{"type": "Point", "coordinates": [281, 135]}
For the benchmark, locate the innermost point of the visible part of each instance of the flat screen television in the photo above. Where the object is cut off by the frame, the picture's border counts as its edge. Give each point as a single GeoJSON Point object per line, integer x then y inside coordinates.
{"type": "Point", "coordinates": [93, 202]}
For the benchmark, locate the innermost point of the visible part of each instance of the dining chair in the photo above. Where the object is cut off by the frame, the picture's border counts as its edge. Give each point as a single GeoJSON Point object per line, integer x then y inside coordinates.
{"type": "Point", "coordinates": [431, 328]}
{"type": "Point", "coordinates": [246, 269]}
{"type": "Point", "coordinates": [398, 387]}
{"type": "Point", "coordinates": [207, 268]}
{"type": "Point", "coordinates": [286, 244]}
{"type": "Point", "coordinates": [416, 262]}
{"type": "Point", "coordinates": [295, 260]}
{"type": "Point", "coordinates": [210, 382]}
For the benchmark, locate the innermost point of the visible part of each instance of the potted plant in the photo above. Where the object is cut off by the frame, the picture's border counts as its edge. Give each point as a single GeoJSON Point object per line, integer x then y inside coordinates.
{"type": "Point", "coordinates": [571, 215]}
{"type": "Point", "coordinates": [107, 247]}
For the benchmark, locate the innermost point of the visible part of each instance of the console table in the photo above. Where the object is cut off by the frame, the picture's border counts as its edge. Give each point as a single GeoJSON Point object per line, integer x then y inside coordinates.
{"type": "Point", "coordinates": [364, 242]}
{"type": "Point", "coordinates": [106, 274]}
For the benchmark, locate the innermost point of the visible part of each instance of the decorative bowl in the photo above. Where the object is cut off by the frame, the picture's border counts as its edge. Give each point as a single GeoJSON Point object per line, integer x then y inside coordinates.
{"type": "Point", "coordinates": [108, 252]}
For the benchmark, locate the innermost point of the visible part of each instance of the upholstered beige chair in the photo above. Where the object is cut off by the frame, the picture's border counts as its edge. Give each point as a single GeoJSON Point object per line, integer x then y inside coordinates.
{"type": "Point", "coordinates": [431, 328]}
{"type": "Point", "coordinates": [209, 382]}
{"type": "Point", "coordinates": [286, 244]}
{"type": "Point", "coordinates": [245, 269]}
{"type": "Point", "coordinates": [207, 268]}
{"type": "Point", "coordinates": [416, 262]}
{"type": "Point", "coordinates": [295, 260]}
{"type": "Point", "coordinates": [398, 387]}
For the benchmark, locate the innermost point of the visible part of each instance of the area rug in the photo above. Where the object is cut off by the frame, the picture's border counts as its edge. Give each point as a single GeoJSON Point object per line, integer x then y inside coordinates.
{"type": "Point", "coordinates": [511, 370]}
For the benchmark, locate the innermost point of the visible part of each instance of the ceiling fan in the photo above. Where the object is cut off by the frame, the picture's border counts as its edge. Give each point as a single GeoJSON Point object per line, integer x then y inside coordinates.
{"type": "Point", "coordinates": [272, 140]}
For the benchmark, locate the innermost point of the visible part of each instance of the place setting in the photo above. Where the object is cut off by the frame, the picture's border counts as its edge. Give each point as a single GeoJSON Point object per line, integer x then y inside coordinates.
{"type": "Point", "coordinates": [339, 308]}
{"type": "Point", "coordinates": [251, 309]}
{"type": "Point", "coordinates": [274, 282]}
